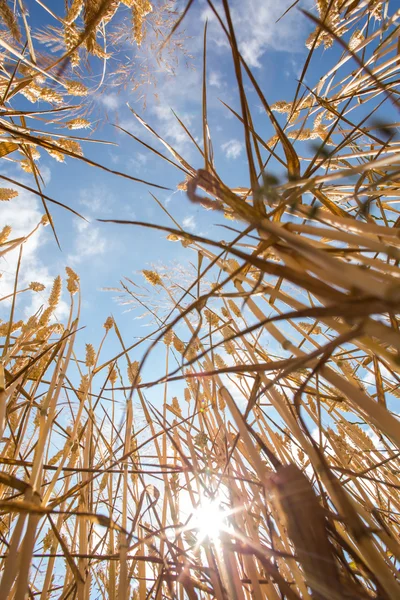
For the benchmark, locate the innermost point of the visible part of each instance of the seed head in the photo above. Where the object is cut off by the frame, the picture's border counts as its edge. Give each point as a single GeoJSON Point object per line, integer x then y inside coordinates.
{"type": "Point", "coordinates": [113, 375]}
{"type": "Point", "coordinates": [169, 337]}
{"type": "Point", "coordinates": [55, 293]}
{"type": "Point", "coordinates": [5, 233]}
{"type": "Point", "coordinates": [133, 369]}
{"type": "Point", "coordinates": [71, 146]}
{"type": "Point", "coordinates": [72, 281]}
{"type": "Point", "coordinates": [90, 356]}
{"type": "Point", "coordinates": [109, 323]}
{"type": "Point", "coordinates": [234, 308]}
{"type": "Point", "coordinates": [50, 95]}
{"type": "Point", "coordinates": [45, 316]}
{"type": "Point", "coordinates": [219, 361]}
{"type": "Point", "coordinates": [201, 439]}
{"type": "Point", "coordinates": [35, 286]}
{"type": "Point", "coordinates": [83, 387]}
{"type": "Point", "coordinates": [356, 39]}
{"type": "Point", "coordinates": [7, 194]}
{"type": "Point", "coordinates": [76, 88]}
{"type": "Point", "coordinates": [178, 344]}
{"type": "Point", "coordinates": [221, 402]}
{"type": "Point", "coordinates": [176, 406]}
{"type": "Point", "coordinates": [282, 107]}
{"type": "Point", "coordinates": [78, 124]}
{"type": "Point", "coordinates": [48, 540]}
{"type": "Point", "coordinates": [152, 277]}
{"type": "Point", "coordinates": [211, 318]}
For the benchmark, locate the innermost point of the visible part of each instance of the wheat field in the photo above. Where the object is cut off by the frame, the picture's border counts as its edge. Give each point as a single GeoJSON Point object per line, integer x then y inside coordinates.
{"type": "Point", "coordinates": [274, 471]}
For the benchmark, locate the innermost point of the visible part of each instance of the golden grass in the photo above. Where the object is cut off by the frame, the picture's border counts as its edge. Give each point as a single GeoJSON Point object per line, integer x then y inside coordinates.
{"type": "Point", "coordinates": [285, 342]}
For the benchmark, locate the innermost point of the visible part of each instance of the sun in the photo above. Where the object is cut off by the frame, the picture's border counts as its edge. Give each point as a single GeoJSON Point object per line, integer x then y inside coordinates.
{"type": "Point", "coordinates": [209, 519]}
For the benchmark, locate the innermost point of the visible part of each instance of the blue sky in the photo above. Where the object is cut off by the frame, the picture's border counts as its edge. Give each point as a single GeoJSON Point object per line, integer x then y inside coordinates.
{"type": "Point", "coordinates": [104, 253]}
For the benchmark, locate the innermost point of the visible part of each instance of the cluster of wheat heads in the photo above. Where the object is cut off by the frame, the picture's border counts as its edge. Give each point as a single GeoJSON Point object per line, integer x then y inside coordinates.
{"type": "Point", "coordinates": [285, 343]}
{"type": "Point", "coordinates": [52, 76]}
{"type": "Point", "coordinates": [71, 479]}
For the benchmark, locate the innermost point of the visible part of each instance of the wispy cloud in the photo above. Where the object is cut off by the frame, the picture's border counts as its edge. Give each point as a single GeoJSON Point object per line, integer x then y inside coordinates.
{"type": "Point", "coordinates": [89, 242]}
{"type": "Point", "coordinates": [171, 130]}
{"type": "Point", "coordinates": [215, 79]}
{"type": "Point", "coordinates": [189, 223]}
{"type": "Point", "coordinates": [142, 158]}
{"type": "Point", "coordinates": [232, 149]}
{"type": "Point", "coordinates": [110, 101]}
{"type": "Point", "coordinates": [22, 214]}
{"type": "Point", "coordinates": [97, 199]}
{"type": "Point", "coordinates": [130, 124]}
{"type": "Point", "coordinates": [257, 30]}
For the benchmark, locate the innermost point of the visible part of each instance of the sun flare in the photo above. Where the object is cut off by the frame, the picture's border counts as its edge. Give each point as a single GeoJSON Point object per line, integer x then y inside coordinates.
{"type": "Point", "coordinates": [209, 519]}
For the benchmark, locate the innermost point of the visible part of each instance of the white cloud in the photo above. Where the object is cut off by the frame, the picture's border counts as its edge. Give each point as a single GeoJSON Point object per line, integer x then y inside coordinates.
{"type": "Point", "coordinates": [171, 130]}
{"type": "Point", "coordinates": [180, 93]}
{"type": "Point", "coordinates": [130, 124]}
{"type": "Point", "coordinates": [141, 158]}
{"type": "Point", "coordinates": [169, 198]}
{"type": "Point", "coordinates": [189, 223]}
{"type": "Point", "coordinates": [232, 149]}
{"type": "Point", "coordinates": [296, 68]}
{"type": "Point", "coordinates": [215, 79]}
{"type": "Point", "coordinates": [45, 173]}
{"type": "Point", "coordinates": [110, 101]}
{"type": "Point", "coordinates": [97, 199]}
{"type": "Point", "coordinates": [257, 30]}
{"type": "Point", "coordinates": [82, 225]}
{"type": "Point", "coordinates": [22, 214]}
{"type": "Point", "coordinates": [89, 242]}
{"type": "Point", "coordinates": [138, 163]}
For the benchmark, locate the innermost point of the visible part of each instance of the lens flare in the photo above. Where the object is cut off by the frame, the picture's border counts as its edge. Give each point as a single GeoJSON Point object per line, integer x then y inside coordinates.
{"type": "Point", "coordinates": [208, 519]}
